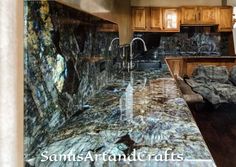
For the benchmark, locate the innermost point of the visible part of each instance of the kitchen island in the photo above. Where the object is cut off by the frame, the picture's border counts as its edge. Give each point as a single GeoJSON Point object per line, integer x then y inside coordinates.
{"type": "Point", "coordinates": [139, 113]}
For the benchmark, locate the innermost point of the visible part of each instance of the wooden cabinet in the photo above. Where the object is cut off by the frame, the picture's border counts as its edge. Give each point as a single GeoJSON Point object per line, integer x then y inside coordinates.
{"type": "Point", "coordinates": [139, 18]}
{"type": "Point", "coordinates": [156, 18]}
{"type": "Point", "coordinates": [189, 15]}
{"type": "Point", "coordinates": [164, 19]}
{"type": "Point", "coordinates": [225, 18]}
{"type": "Point", "coordinates": [198, 15]}
{"type": "Point", "coordinates": [207, 15]}
{"type": "Point", "coordinates": [171, 19]}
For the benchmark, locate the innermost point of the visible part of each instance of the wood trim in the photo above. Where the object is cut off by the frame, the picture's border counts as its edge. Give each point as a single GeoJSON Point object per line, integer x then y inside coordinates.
{"type": "Point", "coordinates": [107, 27]}
{"type": "Point", "coordinates": [180, 66]}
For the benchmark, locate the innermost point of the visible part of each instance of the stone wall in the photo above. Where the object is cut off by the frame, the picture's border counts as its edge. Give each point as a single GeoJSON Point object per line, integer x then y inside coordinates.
{"type": "Point", "coordinates": [183, 44]}
{"type": "Point", "coordinates": [59, 76]}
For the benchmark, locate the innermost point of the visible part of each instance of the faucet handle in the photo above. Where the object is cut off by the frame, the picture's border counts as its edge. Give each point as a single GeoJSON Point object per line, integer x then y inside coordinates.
{"type": "Point", "coordinates": [131, 65]}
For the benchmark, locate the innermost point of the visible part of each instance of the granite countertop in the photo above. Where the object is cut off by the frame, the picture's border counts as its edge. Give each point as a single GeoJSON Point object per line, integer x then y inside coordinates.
{"type": "Point", "coordinates": [140, 112]}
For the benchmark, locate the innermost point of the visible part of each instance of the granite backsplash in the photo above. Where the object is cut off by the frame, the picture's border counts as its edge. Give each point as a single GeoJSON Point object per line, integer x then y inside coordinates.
{"type": "Point", "coordinates": [59, 76]}
{"type": "Point", "coordinates": [181, 44]}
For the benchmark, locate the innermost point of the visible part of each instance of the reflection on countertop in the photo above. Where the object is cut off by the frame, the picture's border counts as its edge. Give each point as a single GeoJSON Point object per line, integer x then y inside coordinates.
{"type": "Point", "coordinates": [141, 111]}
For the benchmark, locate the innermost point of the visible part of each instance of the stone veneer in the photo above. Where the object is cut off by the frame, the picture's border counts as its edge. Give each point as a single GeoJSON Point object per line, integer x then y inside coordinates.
{"type": "Point", "coordinates": [59, 78]}
{"type": "Point", "coordinates": [182, 44]}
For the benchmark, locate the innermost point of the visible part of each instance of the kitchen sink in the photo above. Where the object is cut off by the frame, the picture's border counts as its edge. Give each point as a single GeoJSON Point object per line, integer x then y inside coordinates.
{"type": "Point", "coordinates": [147, 65]}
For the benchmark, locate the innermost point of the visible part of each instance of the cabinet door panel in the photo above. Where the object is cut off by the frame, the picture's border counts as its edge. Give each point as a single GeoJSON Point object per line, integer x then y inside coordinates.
{"type": "Point", "coordinates": [225, 16]}
{"type": "Point", "coordinates": [207, 15]}
{"type": "Point", "coordinates": [139, 18]}
{"type": "Point", "coordinates": [171, 19]}
{"type": "Point", "coordinates": [189, 15]}
{"type": "Point", "coordinates": [156, 18]}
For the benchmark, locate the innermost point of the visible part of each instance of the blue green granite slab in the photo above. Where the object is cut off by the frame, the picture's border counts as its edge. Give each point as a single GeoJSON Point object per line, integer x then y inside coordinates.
{"type": "Point", "coordinates": [138, 113]}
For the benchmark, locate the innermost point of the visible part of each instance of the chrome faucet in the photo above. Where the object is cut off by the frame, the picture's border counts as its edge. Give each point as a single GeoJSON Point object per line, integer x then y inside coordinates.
{"type": "Point", "coordinates": [110, 46]}
{"type": "Point", "coordinates": [131, 50]}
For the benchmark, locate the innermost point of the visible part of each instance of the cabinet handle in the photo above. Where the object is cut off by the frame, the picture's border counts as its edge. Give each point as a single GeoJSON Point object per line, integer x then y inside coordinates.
{"type": "Point", "coordinates": [199, 16]}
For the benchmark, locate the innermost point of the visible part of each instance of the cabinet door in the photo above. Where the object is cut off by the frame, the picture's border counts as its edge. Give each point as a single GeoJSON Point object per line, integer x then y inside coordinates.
{"type": "Point", "coordinates": [225, 16]}
{"type": "Point", "coordinates": [139, 18]}
{"type": "Point", "coordinates": [156, 18]}
{"type": "Point", "coordinates": [171, 19]}
{"type": "Point", "coordinates": [207, 15]}
{"type": "Point", "coordinates": [189, 15]}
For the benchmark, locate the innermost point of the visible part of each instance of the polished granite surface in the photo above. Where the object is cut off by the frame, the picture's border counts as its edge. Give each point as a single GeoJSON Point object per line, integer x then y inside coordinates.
{"type": "Point", "coordinates": [141, 113]}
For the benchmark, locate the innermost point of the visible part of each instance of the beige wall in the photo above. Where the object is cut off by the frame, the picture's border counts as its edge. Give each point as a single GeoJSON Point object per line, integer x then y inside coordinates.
{"type": "Point", "coordinates": [232, 2]}
{"type": "Point", "coordinates": [91, 6]}
{"type": "Point", "coordinates": [175, 3]}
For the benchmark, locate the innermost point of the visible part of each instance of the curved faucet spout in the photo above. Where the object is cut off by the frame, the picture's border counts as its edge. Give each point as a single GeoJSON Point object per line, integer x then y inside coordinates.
{"type": "Point", "coordinates": [110, 46]}
{"type": "Point", "coordinates": [138, 38]}
{"type": "Point", "coordinates": [131, 49]}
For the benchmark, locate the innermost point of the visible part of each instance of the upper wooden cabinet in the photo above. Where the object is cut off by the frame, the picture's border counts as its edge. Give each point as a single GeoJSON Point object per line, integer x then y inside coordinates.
{"type": "Point", "coordinates": [189, 15]}
{"type": "Point", "coordinates": [161, 19]}
{"type": "Point", "coordinates": [139, 18]}
{"type": "Point", "coordinates": [156, 18]}
{"type": "Point", "coordinates": [171, 19]}
{"type": "Point", "coordinates": [198, 15]}
{"type": "Point", "coordinates": [225, 18]}
{"type": "Point", "coordinates": [207, 15]}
